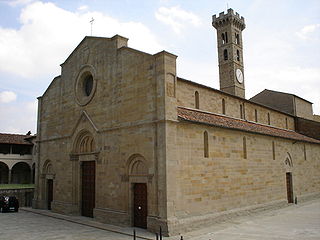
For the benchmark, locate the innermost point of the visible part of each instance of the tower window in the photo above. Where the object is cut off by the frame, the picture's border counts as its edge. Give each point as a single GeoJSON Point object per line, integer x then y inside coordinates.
{"type": "Point", "coordinates": [237, 38]}
{"type": "Point", "coordinates": [269, 122]}
{"type": "Point", "coordinates": [286, 123]}
{"type": "Point", "coordinates": [196, 96]}
{"type": "Point", "coordinates": [205, 144]}
{"type": "Point", "coordinates": [223, 38]}
{"type": "Point", "coordinates": [238, 55]}
{"type": "Point", "coordinates": [304, 152]}
{"type": "Point", "coordinates": [223, 106]}
{"type": "Point", "coordinates": [226, 36]}
{"type": "Point", "coordinates": [241, 111]}
{"type": "Point", "coordinates": [225, 54]}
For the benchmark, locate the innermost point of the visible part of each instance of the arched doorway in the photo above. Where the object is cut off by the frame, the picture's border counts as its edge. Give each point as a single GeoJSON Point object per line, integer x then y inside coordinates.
{"type": "Point", "coordinates": [48, 183]}
{"type": "Point", "coordinates": [4, 173]}
{"type": "Point", "coordinates": [138, 179]}
{"type": "Point", "coordinates": [21, 173]}
{"type": "Point", "coordinates": [289, 183]}
{"type": "Point", "coordinates": [85, 150]}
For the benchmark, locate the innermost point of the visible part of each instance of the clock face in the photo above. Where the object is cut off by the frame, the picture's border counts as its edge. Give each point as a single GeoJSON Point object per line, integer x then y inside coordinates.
{"type": "Point", "coordinates": [239, 75]}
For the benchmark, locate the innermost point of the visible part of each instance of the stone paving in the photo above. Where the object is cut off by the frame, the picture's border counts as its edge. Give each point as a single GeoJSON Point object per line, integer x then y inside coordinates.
{"type": "Point", "coordinates": [296, 222]}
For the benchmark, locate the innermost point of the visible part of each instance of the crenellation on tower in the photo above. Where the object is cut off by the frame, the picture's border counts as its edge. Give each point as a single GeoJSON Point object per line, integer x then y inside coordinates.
{"type": "Point", "coordinates": [229, 28]}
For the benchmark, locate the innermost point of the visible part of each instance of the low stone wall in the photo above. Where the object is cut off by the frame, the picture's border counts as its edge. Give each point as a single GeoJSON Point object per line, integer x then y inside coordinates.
{"type": "Point", "coordinates": [24, 195]}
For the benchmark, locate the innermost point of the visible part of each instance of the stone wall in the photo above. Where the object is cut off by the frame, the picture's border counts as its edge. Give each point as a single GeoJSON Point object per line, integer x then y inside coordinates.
{"type": "Point", "coordinates": [211, 100]}
{"type": "Point", "coordinates": [205, 188]}
{"type": "Point", "coordinates": [303, 108]}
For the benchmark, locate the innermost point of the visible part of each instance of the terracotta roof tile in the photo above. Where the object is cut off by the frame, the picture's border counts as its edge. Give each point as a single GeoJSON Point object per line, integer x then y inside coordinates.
{"type": "Point", "coordinates": [14, 139]}
{"type": "Point", "coordinates": [194, 115]}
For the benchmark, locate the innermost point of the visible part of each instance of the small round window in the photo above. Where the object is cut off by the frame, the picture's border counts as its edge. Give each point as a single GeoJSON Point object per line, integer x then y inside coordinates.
{"type": "Point", "coordinates": [85, 86]}
{"type": "Point", "coordinates": [88, 85]}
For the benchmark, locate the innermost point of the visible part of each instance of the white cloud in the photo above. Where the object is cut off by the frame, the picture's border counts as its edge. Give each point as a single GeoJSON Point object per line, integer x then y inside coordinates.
{"type": "Point", "coordinates": [44, 40]}
{"type": "Point", "coordinates": [83, 8]}
{"type": "Point", "coordinates": [307, 31]}
{"type": "Point", "coordinates": [14, 3]}
{"type": "Point", "coordinates": [177, 18]}
{"type": "Point", "coordinates": [7, 96]}
{"type": "Point", "coordinates": [20, 117]}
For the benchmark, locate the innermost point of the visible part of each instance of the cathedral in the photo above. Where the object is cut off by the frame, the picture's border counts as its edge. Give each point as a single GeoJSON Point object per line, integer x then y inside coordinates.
{"type": "Point", "coordinates": [122, 139]}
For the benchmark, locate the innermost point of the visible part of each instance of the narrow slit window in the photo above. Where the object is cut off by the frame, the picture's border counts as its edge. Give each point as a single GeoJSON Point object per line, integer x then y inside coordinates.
{"type": "Point", "coordinates": [238, 55]}
{"type": "Point", "coordinates": [269, 122]}
{"type": "Point", "coordinates": [241, 111]}
{"type": "Point", "coordinates": [226, 35]}
{"type": "Point", "coordinates": [286, 123]}
{"type": "Point", "coordinates": [244, 148]}
{"type": "Point", "coordinates": [205, 144]}
{"type": "Point", "coordinates": [196, 96]}
{"type": "Point", "coordinates": [225, 54]}
{"type": "Point", "coordinates": [256, 115]}
{"type": "Point", "coordinates": [237, 39]}
{"type": "Point", "coordinates": [223, 38]}
{"type": "Point", "coordinates": [223, 106]}
{"type": "Point", "coordinates": [273, 151]}
{"type": "Point", "coordinates": [304, 152]}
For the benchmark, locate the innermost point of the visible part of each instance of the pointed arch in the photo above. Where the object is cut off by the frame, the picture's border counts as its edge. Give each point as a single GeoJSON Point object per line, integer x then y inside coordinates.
{"type": "Point", "coordinates": [84, 142]}
{"type": "Point", "coordinates": [48, 167]}
{"type": "Point", "coordinates": [137, 165]}
{"type": "Point", "coordinates": [288, 162]}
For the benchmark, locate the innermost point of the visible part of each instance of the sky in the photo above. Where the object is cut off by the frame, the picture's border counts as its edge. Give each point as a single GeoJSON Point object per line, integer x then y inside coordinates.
{"type": "Point", "coordinates": [281, 44]}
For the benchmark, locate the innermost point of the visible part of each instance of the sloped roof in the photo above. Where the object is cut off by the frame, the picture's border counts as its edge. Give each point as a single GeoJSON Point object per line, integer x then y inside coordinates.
{"type": "Point", "coordinates": [273, 91]}
{"type": "Point", "coordinates": [14, 139]}
{"type": "Point", "coordinates": [198, 116]}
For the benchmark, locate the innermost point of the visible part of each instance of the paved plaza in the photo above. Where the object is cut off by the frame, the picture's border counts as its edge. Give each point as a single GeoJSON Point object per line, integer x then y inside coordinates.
{"type": "Point", "coordinates": [296, 222]}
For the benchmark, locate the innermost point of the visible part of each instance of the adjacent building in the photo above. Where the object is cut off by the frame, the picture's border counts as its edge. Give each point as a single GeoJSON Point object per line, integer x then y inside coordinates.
{"type": "Point", "coordinates": [16, 162]}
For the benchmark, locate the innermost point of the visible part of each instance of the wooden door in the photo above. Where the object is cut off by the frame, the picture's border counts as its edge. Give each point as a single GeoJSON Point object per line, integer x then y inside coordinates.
{"type": "Point", "coordinates": [49, 193]}
{"type": "Point", "coordinates": [140, 205]}
{"type": "Point", "coordinates": [289, 187]}
{"type": "Point", "coordinates": [88, 188]}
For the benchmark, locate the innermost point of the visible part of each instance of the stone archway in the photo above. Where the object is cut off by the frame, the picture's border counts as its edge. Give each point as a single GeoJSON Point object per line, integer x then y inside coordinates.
{"type": "Point", "coordinates": [47, 181]}
{"type": "Point", "coordinates": [84, 158]}
{"type": "Point", "coordinates": [4, 173]}
{"type": "Point", "coordinates": [21, 173]}
{"type": "Point", "coordinates": [289, 182]}
{"type": "Point", "coordinates": [138, 178]}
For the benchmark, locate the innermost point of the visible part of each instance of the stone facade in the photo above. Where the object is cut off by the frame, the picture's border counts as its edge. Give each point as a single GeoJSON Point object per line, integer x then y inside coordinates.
{"type": "Point", "coordinates": [118, 108]}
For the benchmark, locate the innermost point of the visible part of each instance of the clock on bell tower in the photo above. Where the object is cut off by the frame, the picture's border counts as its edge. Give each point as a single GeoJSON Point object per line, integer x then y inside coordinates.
{"type": "Point", "coordinates": [230, 52]}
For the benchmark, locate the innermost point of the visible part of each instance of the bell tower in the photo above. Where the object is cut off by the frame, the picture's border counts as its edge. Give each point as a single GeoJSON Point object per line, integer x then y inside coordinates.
{"type": "Point", "coordinates": [230, 52]}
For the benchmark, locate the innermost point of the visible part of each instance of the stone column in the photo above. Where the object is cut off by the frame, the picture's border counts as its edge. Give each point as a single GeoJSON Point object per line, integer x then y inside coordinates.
{"type": "Point", "coordinates": [9, 176]}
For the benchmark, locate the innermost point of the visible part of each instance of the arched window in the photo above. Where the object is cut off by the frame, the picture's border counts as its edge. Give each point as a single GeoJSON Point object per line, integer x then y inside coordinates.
{"type": "Point", "coordinates": [244, 148]}
{"type": "Point", "coordinates": [205, 144]}
{"type": "Point", "coordinates": [225, 54]}
{"type": "Point", "coordinates": [223, 38]}
{"type": "Point", "coordinates": [256, 115]}
{"type": "Point", "coordinates": [238, 55]}
{"type": "Point", "coordinates": [196, 96]}
{"type": "Point", "coordinates": [223, 106]}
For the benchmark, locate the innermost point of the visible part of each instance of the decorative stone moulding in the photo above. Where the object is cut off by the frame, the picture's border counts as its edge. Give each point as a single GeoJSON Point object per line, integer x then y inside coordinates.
{"type": "Point", "coordinates": [85, 85]}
